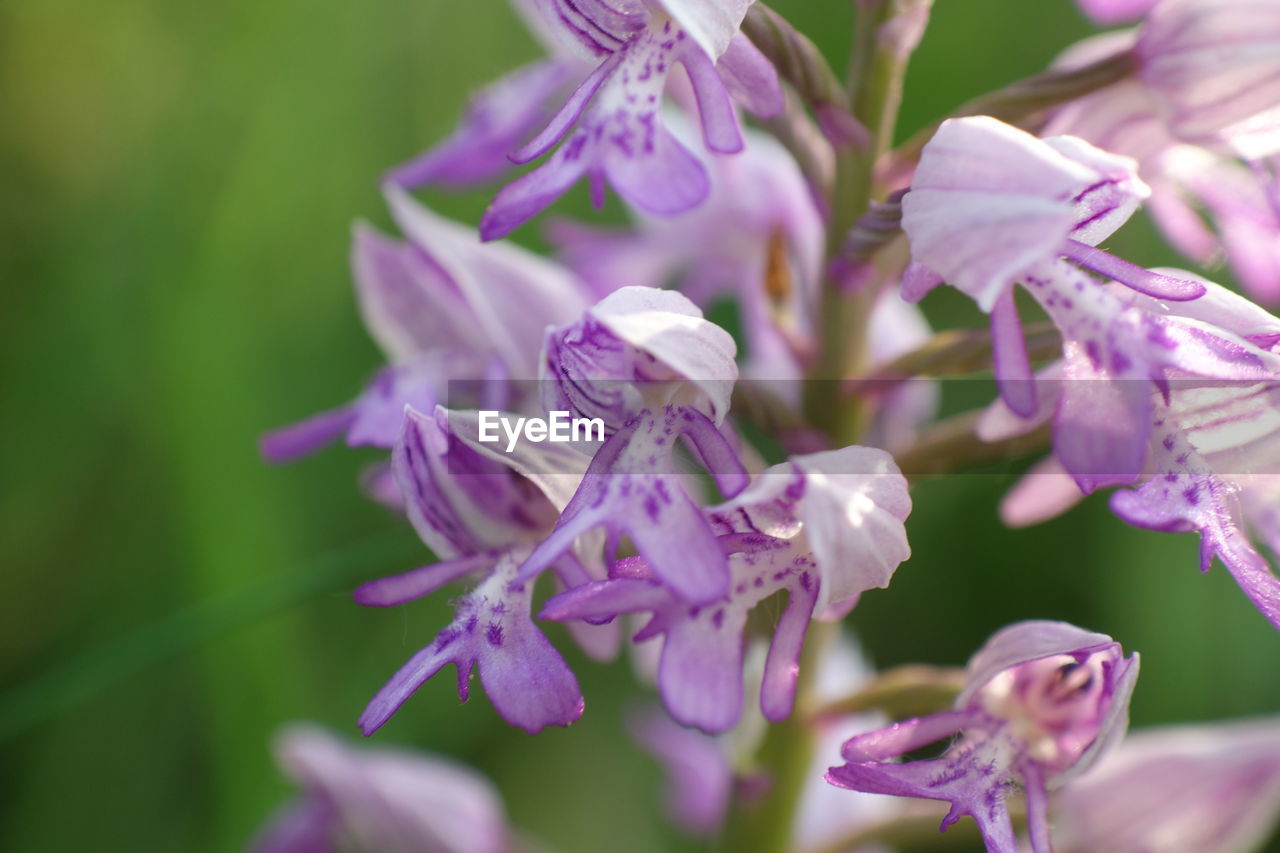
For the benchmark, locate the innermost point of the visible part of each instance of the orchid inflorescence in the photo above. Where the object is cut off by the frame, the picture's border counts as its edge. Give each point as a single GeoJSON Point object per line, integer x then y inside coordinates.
{"type": "Point", "coordinates": [677, 522]}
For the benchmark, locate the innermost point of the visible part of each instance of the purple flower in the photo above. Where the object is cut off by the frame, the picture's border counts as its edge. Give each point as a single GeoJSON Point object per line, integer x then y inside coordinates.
{"type": "Point", "coordinates": [632, 488]}
{"type": "Point", "coordinates": [482, 516]}
{"type": "Point", "coordinates": [1185, 789]}
{"type": "Point", "coordinates": [823, 528]}
{"type": "Point", "coordinates": [638, 348]}
{"type": "Point", "coordinates": [1207, 448]}
{"type": "Point", "coordinates": [1043, 701]}
{"type": "Point", "coordinates": [442, 307]}
{"type": "Point", "coordinates": [1214, 66]}
{"type": "Point", "coordinates": [653, 371]}
{"type": "Point", "coordinates": [1194, 489]}
{"type": "Point", "coordinates": [1186, 180]}
{"type": "Point", "coordinates": [372, 799]}
{"type": "Point", "coordinates": [758, 238]}
{"type": "Point", "coordinates": [613, 121]}
{"type": "Point", "coordinates": [992, 206]}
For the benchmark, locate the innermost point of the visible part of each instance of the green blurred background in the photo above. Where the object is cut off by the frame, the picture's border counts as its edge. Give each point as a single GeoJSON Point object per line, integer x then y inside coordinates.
{"type": "Point", "coordinates": [180, 179]}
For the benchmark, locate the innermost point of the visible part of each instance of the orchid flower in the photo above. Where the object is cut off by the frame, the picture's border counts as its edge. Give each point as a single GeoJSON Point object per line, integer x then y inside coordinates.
{"type": "Point", "coordinates": [1043, 701]}
{"type": "Point", "coordinates": [482, 516]}
{"type": "Point", "coordinates": [611, 126]}
{"type": "Point", "coordinates": [823, 528]}
{"type": "Point", "coordinates": [653, 371]}
{"type": "Point", "coordinates": [1185, 180]}
{"type": "Point", "coordinates": [992, 206]}
{"type": "Point", "coordinates": [443, 307]}
{"type": "Point", "coordinates": [1203, 445]}
{"type": "Point", "coordinates": [758, 237]}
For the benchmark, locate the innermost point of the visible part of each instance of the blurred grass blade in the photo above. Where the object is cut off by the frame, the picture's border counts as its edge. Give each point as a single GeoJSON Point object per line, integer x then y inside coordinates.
{"type": "Point", "coordinates": [181, 632]}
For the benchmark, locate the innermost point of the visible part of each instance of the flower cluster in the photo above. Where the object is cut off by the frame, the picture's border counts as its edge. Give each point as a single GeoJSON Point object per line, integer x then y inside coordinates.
{"type": "Point", "coordinates": [737, 489]}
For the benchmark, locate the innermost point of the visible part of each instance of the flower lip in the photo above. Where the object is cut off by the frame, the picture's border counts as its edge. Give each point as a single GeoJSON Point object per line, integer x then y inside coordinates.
{"type": "Point", "coordinates": [1056, 705]}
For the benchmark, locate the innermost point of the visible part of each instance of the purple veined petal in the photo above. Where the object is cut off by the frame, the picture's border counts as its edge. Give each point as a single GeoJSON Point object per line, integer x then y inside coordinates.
{"type": "Point", "coordinates": [528, 195]}
{"type": "Point", "coordinates": [419, 384]}
{"type": "Point", "coordinates": [700, 671]}
{"type": "Point", "coordinates": [1102, 425]}
{"type": "Point", "coordinates": [854, 506]}
{"type": "Point", "coordinates": [416, 583]}
{"type": "Point", "coordinates": [1184, 495]}
{"type": "Point", "coordinates": [662, 178]}
{"type": "Point", "coordinates": [1108, 202]}
{"type": "Point", "coordinates": [1219, 307]}
{"type": "Point", "coordinates": [1024, 642]}
{"type": "Point", "coordinates": [711, 24]}
{"type": "Point", "coordinates": [556, 469]}
{"type": "Point", "coordinates": [1142, 280]}
{"type": "Point", "coordinates": [1108, 12]}
{"type": "Point", "coordinates": [416, 466]}
{"type": "Point", "coordinates": [665, 327]}
{"type": "Point", "coordinates": [569, 114]}
{"type": "Point", "coordinates": [990, 203]}
{"type": "Point", "coordinates": [1033, 228]}
{"type": "Point", "coordinates": [409, 304]}
{"type": "Point", "coordinates": [720, 127]}
{"type": "Point", "coordinates": [524, 676]}
{"type": "Point", "coordinates": [699, 774]}
{"type": "Point", "coordinates": [1009, 352]}
{"type": "Point", "coordinates": [1205, 350]}
{"type": "Point", "coordinates": [592, 28]}
{"type": "Point", "coordinates": [307, 436]}
{"type": "Point", "coordinates": [498, 118]}
{"type": "Point", "coordinates": [782, 666]}
{"type": "Point", "coordinates": [1042, 701]}
{"type": "Point", "coordinates": [751, 78]}
{"type": "Point", "coordinates": [511, 293]}
{"type": "Point", "coordinates": [1043, 493]}
{"type": "Point", "coordinates": [628, 490]}
{"type": "Point", "coordinates": [964, 780]}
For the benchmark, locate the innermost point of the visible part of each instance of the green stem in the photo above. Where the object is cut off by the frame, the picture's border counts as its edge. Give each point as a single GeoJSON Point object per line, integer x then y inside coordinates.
{"type": "Point", "coordinates": [876, 72]}
{"type": "Point", "coordinates": [786, 755]}
{"type": "Point", "coordinates": [875, 87]}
